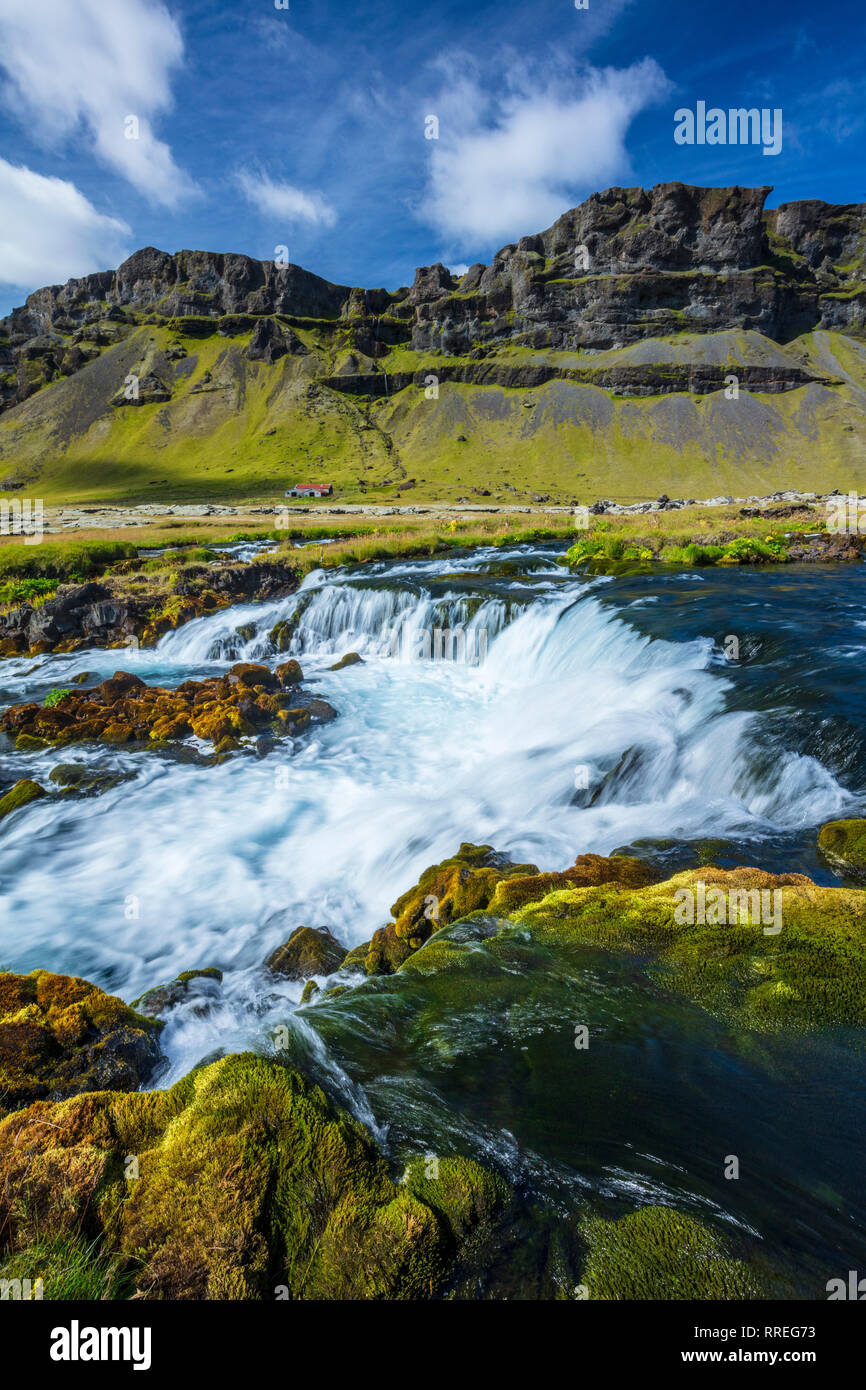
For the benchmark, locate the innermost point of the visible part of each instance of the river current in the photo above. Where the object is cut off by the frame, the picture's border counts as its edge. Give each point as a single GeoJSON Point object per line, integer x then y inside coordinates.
{"type": "Point", "coordinates": [578, 714]}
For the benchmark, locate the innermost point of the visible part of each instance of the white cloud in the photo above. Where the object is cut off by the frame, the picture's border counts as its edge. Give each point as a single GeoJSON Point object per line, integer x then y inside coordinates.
{"type": "Point", "coordinates": [49, 232]}
{"type": "Point", "coordinates": [90, 64]}
{"type": "Point", "coordinates": [290, 205]}
{"type": "Point", "coordinates": [507, 167]}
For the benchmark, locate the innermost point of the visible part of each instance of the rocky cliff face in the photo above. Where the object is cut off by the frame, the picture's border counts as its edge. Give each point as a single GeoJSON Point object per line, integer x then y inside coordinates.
{"type": "Point", "coordinates": [626, 265]}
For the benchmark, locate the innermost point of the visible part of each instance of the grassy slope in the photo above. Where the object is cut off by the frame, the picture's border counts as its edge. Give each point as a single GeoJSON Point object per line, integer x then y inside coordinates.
{"type": "Point", "coordinates": [259, 430]}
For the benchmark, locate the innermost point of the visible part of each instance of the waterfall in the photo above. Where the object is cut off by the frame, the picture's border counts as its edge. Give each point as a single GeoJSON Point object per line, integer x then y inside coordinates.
{"type": "Point", "coordinates": [565, 731]}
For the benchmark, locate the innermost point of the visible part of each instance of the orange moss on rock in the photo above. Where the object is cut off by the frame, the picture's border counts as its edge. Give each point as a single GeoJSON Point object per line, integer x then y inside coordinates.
{"type": "Point", "coordinates": [588, 871]}
{"type": "Point", "coordinates": [462, 884]}
{"type": "Point", "coordinates": [248, 700]}
{"type": "Point", "coordinates": [60, 1035]}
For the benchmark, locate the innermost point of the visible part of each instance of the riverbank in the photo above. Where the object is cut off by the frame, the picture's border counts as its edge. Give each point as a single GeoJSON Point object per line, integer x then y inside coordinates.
{"type": "Point", "coordinates": [126, 589]}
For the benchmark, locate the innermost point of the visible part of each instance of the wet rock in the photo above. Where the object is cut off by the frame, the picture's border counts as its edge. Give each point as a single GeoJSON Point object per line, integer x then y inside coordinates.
{"type": "Point", "coordinates": [27, 743]}
{"type": "Point", "coordinates": [281, 635]}
{"type": "Point", "coordinates": [184, 987]}
{"type": "Point", "coordinates": [79, 778]}
{"type": "Point", "coordinates": [60, 1036]}
{"type": "Point", "coordinates": [21, 794]}
{"type": "Point", "coordinates": [843, 844]}
{"type": "Point", "coordinates": [350, 659]}
{"type": "Point", "coordinates": [320, 710]}
{"type": "Point", "coordinates": [308, 951]}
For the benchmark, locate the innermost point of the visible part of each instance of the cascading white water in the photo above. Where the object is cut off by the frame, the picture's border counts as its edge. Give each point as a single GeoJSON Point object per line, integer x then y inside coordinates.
{"type": "Point", "coordinates": [189, 866]}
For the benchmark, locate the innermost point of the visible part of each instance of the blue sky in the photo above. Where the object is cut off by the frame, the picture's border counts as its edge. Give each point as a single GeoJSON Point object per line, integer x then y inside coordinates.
{"type": "Point", "coordinates": [304, 127]}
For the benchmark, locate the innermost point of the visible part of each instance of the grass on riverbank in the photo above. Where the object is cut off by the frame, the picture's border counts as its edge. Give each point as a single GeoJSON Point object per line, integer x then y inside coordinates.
{"type": "Point", "coordinates": [687, 536]}
{"type": "Point", "coordinates": [697, 536]}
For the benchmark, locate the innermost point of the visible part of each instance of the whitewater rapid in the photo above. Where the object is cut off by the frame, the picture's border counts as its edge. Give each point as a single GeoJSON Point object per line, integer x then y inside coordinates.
{"type": "Point", "coordinates": [187, 866]}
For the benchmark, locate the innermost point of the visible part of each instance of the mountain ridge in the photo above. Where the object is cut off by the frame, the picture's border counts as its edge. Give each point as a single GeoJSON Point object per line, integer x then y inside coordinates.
{"type": "Point", "coordinates": [633, 296]}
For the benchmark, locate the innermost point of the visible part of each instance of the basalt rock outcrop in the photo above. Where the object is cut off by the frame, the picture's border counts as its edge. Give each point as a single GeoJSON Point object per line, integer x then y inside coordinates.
{"type": "Point", "coordinates": [626, 265]}
{"type": "Point", "coordinates": [111, 613]}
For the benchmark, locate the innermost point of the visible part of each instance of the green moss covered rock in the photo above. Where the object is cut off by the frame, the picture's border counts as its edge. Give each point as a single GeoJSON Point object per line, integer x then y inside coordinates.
{"type": "Point", "coordinates": [60, 1036]}
{"type": "Point", "coordinates": [308, 951]}
{"type": "Point", "coordinates": [445, 892]}
{"type": "Point", "coordinates": [240, 1182]}
{"type": "Point", "coordinates": [661, 1254]}
{"type": "Point", "coordinates": [161, 998]}
{"type": "Point", "coordinates": [843, 843]}
{"type": "Point", "coordinates": [350, 659]}
{"type": "Point", "coordinates": [809, 972]}
{"type": "Point", "coordinates": [21, 794]}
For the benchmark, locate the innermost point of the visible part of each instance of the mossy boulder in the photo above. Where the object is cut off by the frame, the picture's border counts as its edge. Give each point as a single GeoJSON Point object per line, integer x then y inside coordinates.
{"type": "Point", "coordinates": [465, 1195]}
{"type": "Point", "coordinates": [457, 886]}
{"type": "Point", "coordinates": [802, 966]}
{"type": "Point", "coordinates": [157, 1001]}
{"type": "Point", "coordinates": [281, 635]}
{"type": "Point", "coordinates": [308, 951]}
{"type": "Point", "coordinates": [310, 990]}
{"type": "Point", "coordinates": [27, 743]}
{"type": "Point", "coordinates": [247, 702]}
{"type": "Point", "coordinates": [350, 659]}
{"type": "Point", "coordinates": [60, 1035]}
{"type": "Point", "coordinates": [80, 779]}
{"type": "Point", "coordinates": [289, 673]}
{"type": "Point", "coordinates": [21, 794]}
{"type": "Point", "coordinates": [843, 844]}
{"type": "Point", "coordinates": [661, 1254]}
{"type": "Point", "coordinates": [588, 871]}
{"type": "Point", "coordinates": [240, 1182]}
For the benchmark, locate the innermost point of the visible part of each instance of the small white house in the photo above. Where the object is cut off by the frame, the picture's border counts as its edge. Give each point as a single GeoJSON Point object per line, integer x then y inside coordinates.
{"type": "Point", "coordinates": [310, 490]}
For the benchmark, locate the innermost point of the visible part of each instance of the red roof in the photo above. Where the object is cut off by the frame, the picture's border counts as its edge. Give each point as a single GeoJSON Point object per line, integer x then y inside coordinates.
{"type": "Point", "coordinates": [311, 487]}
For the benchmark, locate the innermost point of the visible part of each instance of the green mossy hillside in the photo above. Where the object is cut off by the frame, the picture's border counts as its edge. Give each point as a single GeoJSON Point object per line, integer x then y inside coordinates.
{"type": "Point", "coordinates": [228, 428]}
